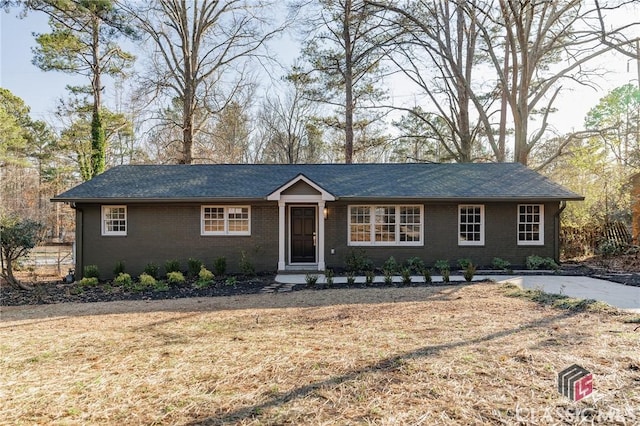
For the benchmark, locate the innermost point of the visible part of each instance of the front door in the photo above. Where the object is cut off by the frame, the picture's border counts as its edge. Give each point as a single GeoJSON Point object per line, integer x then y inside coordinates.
{"type": "Point", "coordinates": [303, 234]}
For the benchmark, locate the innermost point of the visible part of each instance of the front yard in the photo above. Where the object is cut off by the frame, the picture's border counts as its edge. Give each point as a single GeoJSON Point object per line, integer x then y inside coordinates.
{"type": "Point", "coordinates": [466, 354]}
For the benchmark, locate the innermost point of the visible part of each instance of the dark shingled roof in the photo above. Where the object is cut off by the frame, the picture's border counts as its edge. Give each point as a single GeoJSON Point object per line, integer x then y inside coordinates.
{"type": "Point", "coordinates": [470, 181]}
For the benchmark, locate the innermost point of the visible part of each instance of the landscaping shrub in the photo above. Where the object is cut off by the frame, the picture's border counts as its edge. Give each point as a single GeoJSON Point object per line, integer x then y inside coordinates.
{"type": "Point", "coordinates": [194, 266]}
{"type": "Point", "coordinates": [161, 286]}
{"type": "Point", "coordinates": [442, 266]}
{"type": "Point", "coordinates": [91, 271]}
{"type": "Point", "coordinates": [351, 279]}
{"type": "Point", "coordinates": [124, 280]}
{"type": "Point", "coordinates": [311, 279]}
{"type": "Point", "coordinates": [369, 276]}
{"type": "Point", "coordinates": [501, 264]}
{"type": "Point", "coordinates": [357, 261]}
{"type": "Point", "coordinates": [328, 275]}
{"type": "Point", "coordinates": [89, 282]}
{"type": "Point", "coordinates": [231, 281]}
{"type": "Point", "coordinates": [172, 266]}
{"type": "Point", "coordinates": [426, 274]}
{"type": "Point", "coordinates": [537, 262]}
{"type": "Point", "coordinates": [175, 278]}
{"type": "Point", "coordinates": [220, 266]}
{"type": "Point", "coordinates": [610, 248]}
{"type": "Point", "coordinates": [246, 266]}
{"type": "Point", "coordinates": [445, 275]}
{"type": "Point", "coordinates": [388, 277]}
{"type": "Point", "coordinates": [469, 272]}
{"type": "Point", "coordinates": [119, 268]}
{"type": "Point", "coordinates": [415, 264]}
{"type": "Point", "coordinates": [205, 278]}
{"type": "Point", "coordinates": [390, 266]}
{"type": "Point", "coordinates": [406, 275]}
{"type": "Point", "coordinates": [147, 281]}
{"type": "Point", "coordinates": [464, 263]}
{"type": "Point", "coordinates": [152, 269]}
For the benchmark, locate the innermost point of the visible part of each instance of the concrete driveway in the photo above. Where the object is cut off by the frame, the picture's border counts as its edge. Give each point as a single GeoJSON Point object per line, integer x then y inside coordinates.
{"type": "Point", "coordinates": [618, 295]}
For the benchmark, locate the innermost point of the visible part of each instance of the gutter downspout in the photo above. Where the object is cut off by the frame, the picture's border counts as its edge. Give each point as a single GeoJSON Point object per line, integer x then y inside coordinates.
{"type": "Point", "coordinates": [79, 245]}
{"type": "Point", "coordinates": [556, 225]}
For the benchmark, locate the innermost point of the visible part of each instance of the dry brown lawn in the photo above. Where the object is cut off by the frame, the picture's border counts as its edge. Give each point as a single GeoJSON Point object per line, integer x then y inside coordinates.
{"type": "Point", "coordinates": [440, 355]}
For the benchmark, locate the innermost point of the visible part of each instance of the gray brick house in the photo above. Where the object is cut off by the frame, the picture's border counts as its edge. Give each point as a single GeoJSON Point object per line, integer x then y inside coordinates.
{"type": "Point", "coordinates": [310, 216]}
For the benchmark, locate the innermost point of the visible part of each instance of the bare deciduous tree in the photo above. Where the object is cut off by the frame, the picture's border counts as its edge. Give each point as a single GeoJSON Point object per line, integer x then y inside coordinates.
{"type": "Point", "coordinates": [200, 55]}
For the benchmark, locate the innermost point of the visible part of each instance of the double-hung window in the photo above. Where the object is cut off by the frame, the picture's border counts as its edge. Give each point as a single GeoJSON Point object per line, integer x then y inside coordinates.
{"type": "Point", "coordinates": [385, 225]}
{"type": "Point", "coordinates": [225, 220]}
{"type": "Point", "coordinates": [531, 224]}
{"type": "Point", "coordinates": [114, 220]}
{"type": "Point", "coordinates": [471, 225]}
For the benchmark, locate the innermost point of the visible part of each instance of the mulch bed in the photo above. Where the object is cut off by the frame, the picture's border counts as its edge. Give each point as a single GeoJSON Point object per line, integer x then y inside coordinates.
{"type": "Point", "coordinates": [622, 270]}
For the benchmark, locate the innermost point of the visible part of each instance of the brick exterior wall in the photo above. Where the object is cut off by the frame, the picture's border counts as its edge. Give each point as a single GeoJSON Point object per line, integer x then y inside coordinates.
{"type": "Point", "coordinates": [157, 233]}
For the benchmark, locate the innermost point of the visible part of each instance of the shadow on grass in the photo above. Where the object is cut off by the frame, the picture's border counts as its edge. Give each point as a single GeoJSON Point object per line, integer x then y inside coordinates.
{"type": "Point", "coordinates": [387, 364]}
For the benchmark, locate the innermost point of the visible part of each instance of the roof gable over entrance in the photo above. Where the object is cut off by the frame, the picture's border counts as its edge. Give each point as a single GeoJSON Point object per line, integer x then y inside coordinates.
{"type": "Point", "coordinates": [300, 187]}
{"type": "Point", "coordinates": [234, 182]}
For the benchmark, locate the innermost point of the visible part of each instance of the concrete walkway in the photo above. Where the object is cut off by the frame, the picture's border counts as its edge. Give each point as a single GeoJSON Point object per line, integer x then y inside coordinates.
{"type": "Point", "coordinates": [618, 295]}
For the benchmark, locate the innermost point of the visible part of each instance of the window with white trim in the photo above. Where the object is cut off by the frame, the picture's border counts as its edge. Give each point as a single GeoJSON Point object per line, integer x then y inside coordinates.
{"type": "Point", "coordinates": [471, 225]}
{"type": "Point", "coordinates": [531, 224]}
{"type": "Point", "coordinates": [114, 220]}
{"type": "Point", "coordinates": [385, 225]}
{"type": "Point", "coordinates": [225, 220]}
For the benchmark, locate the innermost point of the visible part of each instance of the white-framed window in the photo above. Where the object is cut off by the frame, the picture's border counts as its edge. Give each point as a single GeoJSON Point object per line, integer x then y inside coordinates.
{"type": "Point", "coordinates": [471, 225]}
{"type": "Point", "coordinates": [531, 224]}
{"type": "Point", "coordinates": [385, 225]}
{"type": "Point", "coordinates": [114, 220]}
{"type": "Point", "coordinates": [225, 220]}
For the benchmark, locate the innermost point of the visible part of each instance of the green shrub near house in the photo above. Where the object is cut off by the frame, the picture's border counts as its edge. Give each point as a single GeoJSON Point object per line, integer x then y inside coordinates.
{"type": "Point", "coordinates": [91, 271]}
{"type": "Point", "coordinates": [172, 265]}
{"type": "Point", "coordinates": [220, 266]}
{"type": "Point", "coordinates": [152, 269]}
{"type": "Point", "coordinates": [175, 278]}
{"type": "Point", "coordinates": [194, 266]}
{"type": "Point", "coordinates": [146, 280]}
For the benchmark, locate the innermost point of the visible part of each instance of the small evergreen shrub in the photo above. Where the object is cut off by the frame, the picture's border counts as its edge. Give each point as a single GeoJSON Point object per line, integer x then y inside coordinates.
{"type": "Point", "coordinates": [124, 280]}
{"type": "Point", "coordinates": [498, 263]}
{"type": "Point", "coordinates": [147, 281]}
{"type": "Point", "coordinates": [220, 266]}
{"type": "Point", "coordinates": [390, 266]}
{"type": "Point", "coordinates": [172, 266]}
{"type": "Point", "coordinates": [89, 282]}
{"type": "Point", "coordinates": [311, 279]}
{"type": "Point", "coordinates": [246, 266]}
{"type": "Point", "coordinates": [388, 277]}
{"type": "Point", "coordinates": [351, 279]}
{"type": "Point", "coordinates": [469, 272]}
{"type": "Point", "coordinates": [205, 278]}
{"type": "Point", "coordinates": [405, 275]}
{"type": "Point", "coordinates": [415, 264]}
{"type": "Point", "coordinates": [446, 275]}
{"type": "Point", "coordinates": [161, 286]}
{"type": "Point", "coordinates": [91, 271]}
{"type": "Point", "coordinates": [464, 263]}
{"type": "Point", "coordinates": [442, 265]}
{"type": "Point", "coordinates": [538, 262]}
{"type": "Point", "coordinates": [194, 266]}
{"type": "Point", "coordinates": [328, 276]}
{"type": "Point", "coordinates": [119, 268]}
{"type": "Point", "coordinates": [368, 277]}
{"type": "Point", "coordinates": [175, 278]}
{"type": "Point", "coordinates": [357, 261]}
{"type": "Point", "coordinates": [152, 269]}
{"type": "Point", "coordinates": [426, 274]}
{"type": "Point", "coordinates": [231, 281]}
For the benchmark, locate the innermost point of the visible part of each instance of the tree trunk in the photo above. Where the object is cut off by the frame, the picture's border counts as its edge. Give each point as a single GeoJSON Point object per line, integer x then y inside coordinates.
{"type": "Point", "coordinates": [98, 138]}
{"type": "Point", "coordinates": [348, 83]}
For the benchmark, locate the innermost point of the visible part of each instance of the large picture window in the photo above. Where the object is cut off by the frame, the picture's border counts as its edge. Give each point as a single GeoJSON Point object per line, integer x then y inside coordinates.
{"type": "Point", "coordinates": [530, 224]}
{"type": "Point", "coordinates": [471, 225]}
{"type": "Point", "coordinates": [114, 220]}
{"type": "Point", "coordinates": [225, 220]}
{"type": "Point", "coordinates": [385, 225]}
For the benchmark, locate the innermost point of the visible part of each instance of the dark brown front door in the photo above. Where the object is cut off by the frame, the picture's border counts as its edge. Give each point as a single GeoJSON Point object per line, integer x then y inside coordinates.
{"type": "Point", "coordinates": [303, 234]}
